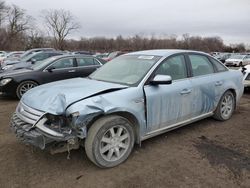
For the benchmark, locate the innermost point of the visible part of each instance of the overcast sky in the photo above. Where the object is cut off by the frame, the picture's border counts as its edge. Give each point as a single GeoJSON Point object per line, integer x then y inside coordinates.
{"type": "Point", "coordinates": [229, 19]}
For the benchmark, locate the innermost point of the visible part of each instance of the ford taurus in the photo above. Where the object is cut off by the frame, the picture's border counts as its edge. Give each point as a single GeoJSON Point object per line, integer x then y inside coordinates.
{"type": "Point", "coordinates": [132, 98]}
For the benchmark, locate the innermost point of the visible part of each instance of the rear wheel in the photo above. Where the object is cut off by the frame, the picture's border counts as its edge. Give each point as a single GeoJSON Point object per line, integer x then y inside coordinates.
{"type": "Point", "coordinates": [23, 87]}
{"type": "Point", "coordinates": [110, 141]}
{"type": "Point", "coordinates": [225, 107]}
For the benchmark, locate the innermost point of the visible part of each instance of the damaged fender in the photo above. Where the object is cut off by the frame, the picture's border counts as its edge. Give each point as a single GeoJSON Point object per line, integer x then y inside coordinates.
{"type": "Point", "coordinates": [114, 102]}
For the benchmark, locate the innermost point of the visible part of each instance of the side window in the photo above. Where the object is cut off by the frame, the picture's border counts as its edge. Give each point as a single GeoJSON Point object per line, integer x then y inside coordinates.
{"type": "Point", "coordinates": [218, 65]}
{"type": "Point", "coordinates": [53, 54]}
{"type": "Point", "coordinates": [85, 61]}
{"type": "Point", "coordinates": [200, 65]}
{"type": "Point", "coordinates": [63, 63]}
{"type": "Point", "coordinates": [174, 67]}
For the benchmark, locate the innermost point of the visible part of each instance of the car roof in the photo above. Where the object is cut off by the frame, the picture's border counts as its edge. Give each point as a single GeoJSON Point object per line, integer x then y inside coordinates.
{"type": "Point", "coordinates": [163, 52]}
{"type": "Point", "coordinates": [48, 52]}
{"type": "Point", "coordinates": [73, 55]}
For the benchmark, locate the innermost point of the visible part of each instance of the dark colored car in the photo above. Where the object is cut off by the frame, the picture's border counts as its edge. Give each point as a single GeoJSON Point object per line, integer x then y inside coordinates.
{"type": "Point", "coordinates": [32, 59]}
{"type": "Point", "coordinates": [17, 82]}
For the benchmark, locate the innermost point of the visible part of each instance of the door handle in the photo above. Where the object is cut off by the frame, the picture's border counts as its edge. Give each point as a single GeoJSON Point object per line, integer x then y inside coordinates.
{"type": "Point", "coordinates": [72, 71]}
{"type": "Point", "coordinates": [218, 83]}
{"type": "Point", "coordinates": [185, 91]}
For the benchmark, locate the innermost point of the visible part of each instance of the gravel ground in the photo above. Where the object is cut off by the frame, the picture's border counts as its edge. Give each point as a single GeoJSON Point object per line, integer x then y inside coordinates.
{"type": "Point", "coordinates": [207, 153]}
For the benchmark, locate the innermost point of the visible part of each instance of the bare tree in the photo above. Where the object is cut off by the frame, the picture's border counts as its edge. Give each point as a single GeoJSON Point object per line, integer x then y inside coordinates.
{"type": "Point", "coordinates": [3, 11]}
{"type": "Point", "coordinates": [60, 24]}
{"type": "Point", "coordinates": [35, 38]}
{"type": "Point", "coordinates": [18, 21]}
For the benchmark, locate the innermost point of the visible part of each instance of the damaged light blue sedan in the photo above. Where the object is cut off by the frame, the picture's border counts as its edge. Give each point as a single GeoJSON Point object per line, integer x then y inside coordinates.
{"type": "Point", "coordinates": [131, 98]}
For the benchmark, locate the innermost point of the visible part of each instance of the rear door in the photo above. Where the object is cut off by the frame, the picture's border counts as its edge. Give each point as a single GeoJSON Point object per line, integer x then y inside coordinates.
{"type": "Point", "coordinates": [170, 104]}
{"type": "Point", "coordinates": [207, 85]}
{"type": "Point", "coordinates": [86, 65]}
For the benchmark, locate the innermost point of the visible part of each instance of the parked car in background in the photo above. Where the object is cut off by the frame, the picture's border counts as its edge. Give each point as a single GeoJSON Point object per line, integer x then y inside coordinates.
{"type": "Point", "coordinates": [14, 60]}
{"type": "Point", "coordinates": [238, 60]}
{"type": "Point", "coordinates": [102, 56]}
{"type": "Point", "coordinates": [223, 57]}
{"type": "Point", "coordinates": [113, 55]}
{"type": "Point", "coordinates": [15, 54]}
{"type": "Point", "coordinates": [132, 98]}
{"type": "Point", "coordinates": [3, 53]}
{"type": "Point", "coordinates": [31, 59]}
{"type": "Point", "coordinates": [28, 52]}
{"type": "Point", "coordinates": [11, 56]}
{"type": "Point", "coordinates": [214, 54]}
{"type": "Point", "coordinates": [17, 82]}
{"type": "Point", "coordinates": [82, 52]}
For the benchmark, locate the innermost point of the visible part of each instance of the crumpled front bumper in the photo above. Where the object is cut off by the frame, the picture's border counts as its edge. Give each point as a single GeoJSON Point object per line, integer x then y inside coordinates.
{"type": "Point", "coordinates": [31, 135]}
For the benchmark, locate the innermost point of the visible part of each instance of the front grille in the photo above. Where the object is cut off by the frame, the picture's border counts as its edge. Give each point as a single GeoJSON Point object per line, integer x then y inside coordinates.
{"type": "Point", "coordinates": [26, 134]}
{"type": "Point", "coordinates": [28, 114]}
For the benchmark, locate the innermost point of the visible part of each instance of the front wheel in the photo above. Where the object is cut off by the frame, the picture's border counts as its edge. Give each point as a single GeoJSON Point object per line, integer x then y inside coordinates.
{"type": "Point", "coordinates": [225, 107]}
{"type": "Point", "coordinates": [23, 87]}
{"type": "Point", "coordinates": [110, 141]}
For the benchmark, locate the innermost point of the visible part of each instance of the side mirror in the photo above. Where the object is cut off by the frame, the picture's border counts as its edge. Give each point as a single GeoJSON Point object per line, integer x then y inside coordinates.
{"type": "Point", "coordinates": [50, 69]}
{"type": "Point", "coordinates": [33, 61]}
{"type": "Point", "coordinates": [161, 79]}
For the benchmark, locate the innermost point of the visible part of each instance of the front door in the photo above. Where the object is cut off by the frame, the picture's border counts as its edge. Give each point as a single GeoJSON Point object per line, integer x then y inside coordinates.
{"type": "Point", "coordinates": [170, 104]}
{"type": "Point", "coordinates": [59, 70]}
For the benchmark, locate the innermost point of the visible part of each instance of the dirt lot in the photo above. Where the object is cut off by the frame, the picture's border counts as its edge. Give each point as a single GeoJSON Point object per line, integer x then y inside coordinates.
{"type": "Point", "coordinates": [204, 154]}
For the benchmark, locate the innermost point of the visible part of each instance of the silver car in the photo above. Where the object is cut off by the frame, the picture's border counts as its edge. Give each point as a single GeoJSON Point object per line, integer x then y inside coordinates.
{"type": "Point", "coordinates": [132, 98]}
{"type": "Point", "coordinates": [238, 60]}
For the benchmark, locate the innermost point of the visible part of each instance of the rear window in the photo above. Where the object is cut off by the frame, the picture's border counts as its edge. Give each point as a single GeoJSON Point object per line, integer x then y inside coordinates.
{"type": "Point", "coordinates": [85, 62]}
{"type": "Point", "coordinates": [218, 65]}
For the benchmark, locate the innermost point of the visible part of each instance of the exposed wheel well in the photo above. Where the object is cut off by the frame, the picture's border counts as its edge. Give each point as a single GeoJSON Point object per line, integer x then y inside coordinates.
{"type": "Point", "coordinates": [130, 117]}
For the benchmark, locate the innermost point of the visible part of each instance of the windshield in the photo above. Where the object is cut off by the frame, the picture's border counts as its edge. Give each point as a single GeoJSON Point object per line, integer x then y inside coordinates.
{"type": "Point", "coordinates": [26, 53]}
{"type": "Point", "coordinates": [42, 64]}
{"type": "Point", "coordinates": [237, 57]}
{"type": "Point", "coordinates": [27, 58]}
{"type": "Point", "coordinates": [128, 69]}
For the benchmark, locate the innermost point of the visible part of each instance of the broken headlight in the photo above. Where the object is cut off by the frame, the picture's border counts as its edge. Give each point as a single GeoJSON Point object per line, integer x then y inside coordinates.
{"type": "Point", "coordinates": [58, 123]}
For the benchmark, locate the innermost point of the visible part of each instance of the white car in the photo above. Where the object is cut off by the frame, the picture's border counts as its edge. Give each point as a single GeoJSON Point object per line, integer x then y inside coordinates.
{"type": "Point", "coordinates": [238, 60]}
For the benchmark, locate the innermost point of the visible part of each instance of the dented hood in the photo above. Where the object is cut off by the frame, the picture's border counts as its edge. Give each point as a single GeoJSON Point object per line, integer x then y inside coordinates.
{"type": "Point", "coordinates": [55, 97]}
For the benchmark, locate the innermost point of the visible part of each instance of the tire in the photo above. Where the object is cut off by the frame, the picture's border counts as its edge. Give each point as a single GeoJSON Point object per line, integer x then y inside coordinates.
{"type": "Point", "coordinates": [240, 65]}
{"type": "Point", "coordinates": [225, 107]}
{"type": "Point", "coordinates": [107, 148]}
{"type": "Point", "coordinates": [23, 87]}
